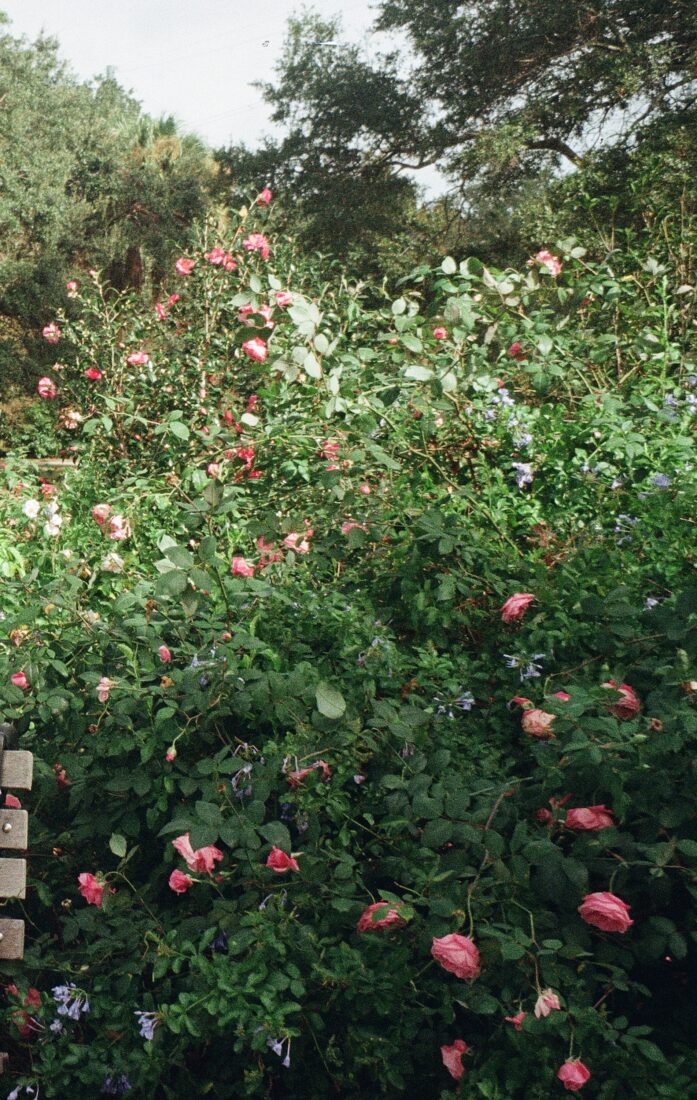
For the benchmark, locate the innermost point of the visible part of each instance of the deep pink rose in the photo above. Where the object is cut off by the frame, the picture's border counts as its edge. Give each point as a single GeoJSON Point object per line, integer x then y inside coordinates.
{"type": "Point", "coordinates": [538, 723]}
{"type": "Point", "coordinates": [516, 351]}
{"type": "Point", "coordinates": [93, 374]}
{"type": "Point", "coordinates": [573, 1075]}
{"type": "Point", "coordinates": [160, 311]}
{"type": "Point", "coordinates": [264, 197]}
{"type": "Point", "coordinates": [589, 818]}
{"type": "Point", "coordinates": [46, 387]}
{"type": "Point", "coordinates": [256, 349]}
{"type": "Point", "coordinates": [457, 954]}
{"type": "Point", "coordinates": [516, 606]}
{"type": "Point", "coordinates": [184, 266]}
{"type": "Point", "coordinates": [279, 862]}
{"type": "Point", "coordinates": [179, 882]}
{"type": "Point", "coordinates": [257, 242]}
{"type": "Point", "coordinates": [164, 654]}
{"type": "Point", "coordinates": [385, 917]}
{"type": "Point", "coordinates": [12, 802]}
{"type": "Point", "coordinates": [19, 680]}
{"type": "Point", "coordinates": [202, 859]}
{"type": "Point", "coordinates": [628, 706]}
{"type": "Point", "coordinates": [563, 695]}
{"type": "Point", "coordinates": [440, 333]}
{"type": "Point", "coordinates": [452, 1058]}
{"type": "Point", "coordinates": [91, 889]}
{"type": "Point", "coordinates": [605, 911]}
{"type": "Point", "coordinates": [138, 359]}
{"type": "Point", "coordinates": [516, 1020]}
{"type": "Point", "coordinates": [547, 1002]}
{"type": "Point", "coordinates": [215, 256]}
{"type": "Point", "coordinates": [241, 568]}
{"type": "Point", "coordinates": [101, 513]}
{"type": "Point", "coordinates": [51, 333]}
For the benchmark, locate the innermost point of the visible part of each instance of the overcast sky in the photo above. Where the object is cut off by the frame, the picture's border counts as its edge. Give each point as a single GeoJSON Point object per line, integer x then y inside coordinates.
{"type": "Point", "coordinates": [194, 59]}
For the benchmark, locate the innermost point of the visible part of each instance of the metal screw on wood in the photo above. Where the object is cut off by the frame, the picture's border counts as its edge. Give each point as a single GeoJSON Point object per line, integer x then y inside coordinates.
{"type": "Point", "coordinates": [7, 827]}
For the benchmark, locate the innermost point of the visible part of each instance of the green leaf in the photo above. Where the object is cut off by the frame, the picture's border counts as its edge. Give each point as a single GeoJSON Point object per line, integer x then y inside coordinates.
{"type": "Point", "coordinates": [311, 366]}
{"type": "Point", "coordinates": [330, 702]}
{"type": "Point", "coordinates": [117, 844]}
{"type": "Point", "coordinates": [179, 430]}
{"type": "Point", "coordinates": [419, 374]}
{"type": "Point", "coordinates": [448, 266]}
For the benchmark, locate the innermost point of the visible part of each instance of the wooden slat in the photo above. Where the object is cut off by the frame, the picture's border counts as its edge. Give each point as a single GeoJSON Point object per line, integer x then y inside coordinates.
{"type": "Point", "coordinates": [11, 939]}
{"type": "Point", "coordinates": [14, 829]}
{"type": "Point", "coordinates": [13, 878]}
{"type": "Point", "coordinates": [16, 770]}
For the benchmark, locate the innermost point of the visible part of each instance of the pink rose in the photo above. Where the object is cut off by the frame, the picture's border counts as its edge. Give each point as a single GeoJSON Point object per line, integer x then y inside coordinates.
{"type": "Point", "coordinates": [516, 351]}
{"type": "Point", "coordinates": [537, 723]}
{"type": "Point", "coordinates": [440, 333]}
{"type": "Point", "coordinates": [563, 695]}
{"type": "Point", "coordinates": [256, 349]}
{"type": "Point", "coordinates": [241, 568]}
{"type": "Point", "coordinates": [179, 882]}
{"type": "Point", "coordinates": [71, 287]}
{"type": "Point", "coordinates": [605, 911]}
{"type": "Point", "coordinates": [452, 1058]}
{"type": "Point", "coordinates": [19, 680]}
{"type": "Point", "coordinates": [171, 754]}
{"type": "Point", "coordinates": [202, 859]}
{"type": "Point", "coordinates": [215, 256]}
{"type": "Point", "coordinates": [264, 197]}
{"type": "Point", "coordinates": [457, 954]}
{"type": "Point", "coordinates": [213, 469]}
{"type": "Point", "coordinates": [628, 706]}
{"type": "Point", "coordinates": [160, 311]}
{"type": "Point", "coordinates": [589, 818]}
{"type": "Point", "coordinates": [257, 242]}
{"type": "Point", "coordinates": [46, 387]}
{"type": "Point", "coordinates": [573, 1075]}
{"type": "Point", "coordinates": [549, 261]}
{"type": "Point", "coordinates": [184, 266]}
{"type": "Point", "coordinates": [103, 688]}
{"type": "Point", "coordinates": [516, 1020]}
{"type": "Point", "coordinates": [279, 862]}
{"type": "Point", "coordinates": [173, 299]}
{"type": "Point", "coordinates": [93, 374]}
{"type": "Point", "coordinates": [298, 543]}
{"type": "Point", "coordinates": [284, 298]}
{"type": "Point", "coordinates": [119, 528]}
{"type": "Point", "coordinates": [547, 1002]}
{"type": "Point", "coordinates": [101, 513]}
{"type": "Point", "coordinates": [91, 889]}
{"type": "Point", "coordinates": [516, 606]}
{"type": "Point", "coordinates": [138, 359]}
{"type": "Point", "coordinates": [51, 333]}
{"type": "Point", "coordinates": [164, 654]}
{"type": "Point", "coordinates": [389, 917]}
{"type": "Point", "coordinates": [12, 802]}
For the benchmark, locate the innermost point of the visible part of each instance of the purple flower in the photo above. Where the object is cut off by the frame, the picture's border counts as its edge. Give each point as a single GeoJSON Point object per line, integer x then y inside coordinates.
{"type": "Point", "coordinates": [116, 1086]}
{"type": "Point", "coordinates": [71, 1001]}
{"type": "Point", "coordinates": [523, 473]}
{"type": "Point", "coordinates": [147, 1023]}
{"type": "Point", "coordinates": [220, 944]}
{"type": "Point", "coordinates": [661, 481]}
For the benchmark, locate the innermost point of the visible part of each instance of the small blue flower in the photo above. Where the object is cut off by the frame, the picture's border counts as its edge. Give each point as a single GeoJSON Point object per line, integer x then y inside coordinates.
{"type": "Point", "coordinates": [661, 481]}
{"type": "Point", "coordinates": [523, 473]}
{"type": "Point", "coordinates": [147, 1023]}
{"type": "Point", "coordinates": [71, 1001]}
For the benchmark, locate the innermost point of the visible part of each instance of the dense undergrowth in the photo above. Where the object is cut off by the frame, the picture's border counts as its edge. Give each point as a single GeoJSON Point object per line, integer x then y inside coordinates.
{"type": "Point", "coordinates": [265, 610]}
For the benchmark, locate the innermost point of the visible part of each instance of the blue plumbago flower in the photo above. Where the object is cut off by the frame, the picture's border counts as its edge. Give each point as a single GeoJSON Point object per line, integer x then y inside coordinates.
{"type": "Point", "coordinates": [691, 400]}
{"type": "Point", "coordinates": [691, 379]}
{"type": "Point", "coordinates": [523, 440]}
{"type": "Point", "coordinates": [617, 482]}
{"type": "Point", "coordinates": [490, 414]}
{"type": "Point", "coordinates": [277, 1047]}
{"type": "Point", "coordinates": [116, 1086]}
{"type": "Point", "coordinates": [465, 701]}
{"type": "Point", "coordinates": [533, 668]}
{"type": "Point", "coordinates": [624, 524]}
{"type": "Point", "coordinates": [650, 602]}
{"type": "Point", "coordinates": [661, 481]}
{"type": "Point", "coordinates": [523, 473]}
{"type": "Point", "coordinates": [71, 1001]}
{"type": "Point", "coordinates": [57, 1027]}
{"type": "Point", "coordinates": [511, 660]}
{"type": "Point", "coordinates": [243, 773]}
{"type": "Point", "coordinates": [147, 1023]}
{"type": "Point", "coordinates": [220, 944]}
{"type": "Point", "coordinates": [670, 401]}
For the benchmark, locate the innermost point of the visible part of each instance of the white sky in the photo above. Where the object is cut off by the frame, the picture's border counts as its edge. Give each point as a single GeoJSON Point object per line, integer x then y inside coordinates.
{"type": "Point", "coordinates": [194, 59]}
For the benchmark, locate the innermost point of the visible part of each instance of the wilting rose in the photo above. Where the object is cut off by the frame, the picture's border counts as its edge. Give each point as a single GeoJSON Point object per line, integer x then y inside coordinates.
{"type": "Point", "coordinates": [119, 528]}
{"type": "Point", "coordinates": [184, 266]}
{"type": "Point", "coordinates": [179, 882]}
{"type": "Point", "coordinates": [256, 349]}
{"type": "Point", "coordinates": [46, 387]}
{"type": "Point", "coordinates": [202, 859]}
{"type": "Point", "coordinates": [538, 723]}
{"type": "Point", "coordinates": [573, 1075]}
{"type": "Point", "coordinates": [589, 818]}
{"type": "Point", "coordinates": [101, 513]}
{"type": "Point", "coordinates": [19, 680]}
{"type": "Point", "coordinates": [241, 568]}
{"type": "Point", "coordinates": [457, 954]}
{"type": "Point", "coordinates": [51, 333]}
{"type": "Point", "coordinates": [385, 917]}
{"type": "Point", "coordinates": [605, 911]}
{"type": "Point", "coordinates": [516, 606]}
{"type": "Point", "coordinates": [628, 706]}
{"type": "Point", "coordinates": [547, 1002]}
{"type": "Point", "coordinates": [91, 889]}
{"type": "Point", "coordinates": [452, 1058]}
{"type": "Point", "coordinates": [516, 1020]}
{"type": "Point", "coordinates": [279, 862]}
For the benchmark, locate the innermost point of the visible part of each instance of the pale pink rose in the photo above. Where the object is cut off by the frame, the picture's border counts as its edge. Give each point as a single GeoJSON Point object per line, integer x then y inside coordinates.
{"type": "Point", "coordinates": [241, 568]}
{"type": "Point", "coordinates": [589, 818]}
{"type": "Point", "coordinates": [549, 261]}
{"type": "Point", "coordinates": [93, 374]}
{"type": "Point", "coordinates": [71, 419]}
{"type": "Point", "coordinates": [103, 688]}
{"type": "Point", "coordinates": [201, 859]}
{"type": "Point", "coordinates": [213, 469]}
{"type": "Point", "coordinates": [606, 911]}
{"type": "Point", "coordinates": [378, 917]}
{"type": "Point", "coordinates": [101, 513]}
{"type": "Point", "coordinates": [71, 287]}
{"type": "Point", "coordinates": [538, 723]}
{"type": "Point", "coordinates": [119, 528]}
{"type": "Point", "coordinates": [46, 387]}
{"type": "Point", "coordinates": [547, 1002]}
{"type": "Point", "coordinates": [264, 197]}
{"type": "Point", "coordinates": [516, 606]}
{"type": "Point", "coordinates": [365, 489]}
{"type": "Point", "coordinates": [516, 1020]}
{"type": "Point", "coordinates": [19, 680]}
{"type": "Point", "coordinates": [284, 298]}
{"type": "Point", "coordinates": [628, 706]}
{"type": "Point", "coordinates": [138, 359]}
{"type": "Point", "coordinates": [263, 310]}
{"type": "Point", "coordinates": [257, 242]}
{"type": "Point", "coordinates": [164, 654]}
{"type": "Point", "coordinates": [160, 311]}
{"type": "Point", "coordinates": [573, 1075]}
{"type": "Point", "coordinates": [440, 333]}
{"type": "Point", "coordinates": [452, 1058]}
{"type": "Point", "coordinates": [256, 349]}
{"type": "Point", "coordinates": [51, 333]}
{"type": "Point", "coordinates": [91, 889]}
{"type": "Point", "coordinates": [279, 862]}
{"type": "Point", "coordinates": [179, 882]}
{"type": "Point", "coordinates": [457, 954]}
{"type": "Point", "coordinates": [184, 266]}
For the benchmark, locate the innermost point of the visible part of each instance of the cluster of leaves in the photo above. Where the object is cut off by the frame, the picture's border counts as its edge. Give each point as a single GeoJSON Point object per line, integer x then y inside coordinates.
{"type": "Point", "coordinates": [416, 462]}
